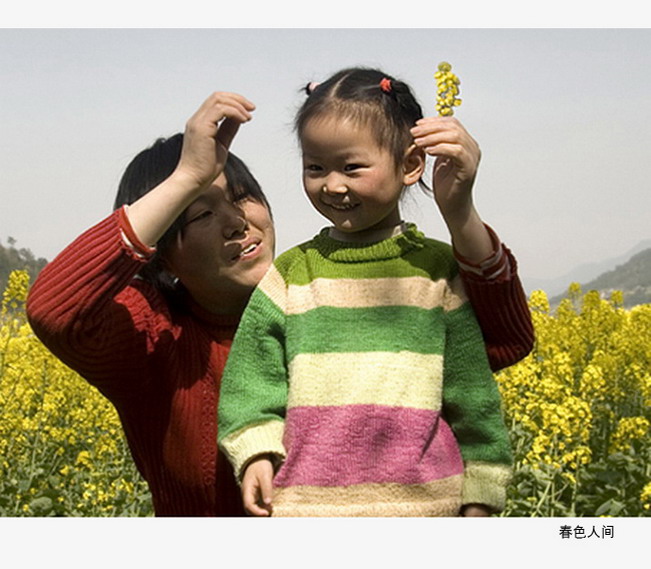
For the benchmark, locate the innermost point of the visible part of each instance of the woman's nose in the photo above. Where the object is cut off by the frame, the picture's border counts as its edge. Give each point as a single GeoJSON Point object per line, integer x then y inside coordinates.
{"type": "Point", "coordinates": [234, 222]}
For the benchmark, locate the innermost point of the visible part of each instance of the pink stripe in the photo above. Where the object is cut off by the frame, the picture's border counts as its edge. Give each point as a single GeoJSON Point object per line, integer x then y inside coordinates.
{"type": "Point", "coordinates": [357, 444]}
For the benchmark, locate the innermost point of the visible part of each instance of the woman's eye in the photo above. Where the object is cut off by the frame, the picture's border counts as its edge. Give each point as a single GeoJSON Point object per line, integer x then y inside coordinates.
{"type": "Point", "coordinates": [199, 217]}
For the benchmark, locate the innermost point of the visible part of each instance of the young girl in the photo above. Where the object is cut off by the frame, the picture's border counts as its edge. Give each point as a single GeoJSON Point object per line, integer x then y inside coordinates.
{"type": "Point", "coordinates": [358, 380]}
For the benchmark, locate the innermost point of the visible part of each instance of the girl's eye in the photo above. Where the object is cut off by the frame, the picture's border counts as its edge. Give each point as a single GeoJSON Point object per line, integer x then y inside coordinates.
{"type": "Point", "coordinates": [312, 168]}
{"type": "Point", "coordinates": [352, 167]}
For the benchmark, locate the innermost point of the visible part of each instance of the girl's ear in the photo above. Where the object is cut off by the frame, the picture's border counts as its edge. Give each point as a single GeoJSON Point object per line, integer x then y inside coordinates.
{"type": "Point", "coordinates": [413, 165]}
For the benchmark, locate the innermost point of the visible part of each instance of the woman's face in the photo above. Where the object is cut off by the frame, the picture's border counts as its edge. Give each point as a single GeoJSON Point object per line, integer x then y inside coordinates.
{"type": "Point", "coordinates": [223, 250]}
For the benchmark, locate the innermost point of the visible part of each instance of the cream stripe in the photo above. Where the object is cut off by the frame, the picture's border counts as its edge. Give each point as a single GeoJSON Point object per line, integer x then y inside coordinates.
{"type": "Point", "coordinates": [406, 379]}
{"type": "Point", "coordinates": [485, 483]}
{"type": "Point", "coordinates": [273, 285]}
{"type": "Point", "coordinates": [262, 438]}
{"type": "Point", "coordinates": [437, 498]}
{"type": "Point", "coordinates": [455, 295]}
{"type": "Point", "coordinates": [418, 292]}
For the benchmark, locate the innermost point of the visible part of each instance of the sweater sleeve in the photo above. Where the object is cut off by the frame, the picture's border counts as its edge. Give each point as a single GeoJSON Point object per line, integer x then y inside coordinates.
{"type": "Point", "coordinates": [83, 308]}
{"type": "Point", "coordinates": [472, 407]}
{"type": "Point", "coordinates": [253, 396]}
{"type": "Point", "coordinates": [500, 304]}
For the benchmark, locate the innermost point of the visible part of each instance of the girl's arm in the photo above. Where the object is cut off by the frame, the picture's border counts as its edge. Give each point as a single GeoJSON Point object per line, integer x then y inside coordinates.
{"type": "Point", "coordinates": [254, 389]}
{"type": "Point", "coordinates": [489, 270]}
{"type": "Point", "coordinates": [472, 407]}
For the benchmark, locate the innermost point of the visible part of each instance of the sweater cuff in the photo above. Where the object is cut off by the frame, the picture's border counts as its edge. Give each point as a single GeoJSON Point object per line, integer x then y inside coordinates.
{"type": "Point", "coordinates": [485, 483]}
{"type": "Point", "coordinates": [130, 238]}
{"type": "Point", "coordinates": [495, 266]}
{"type": "Point", "coordinates": [242, 446]}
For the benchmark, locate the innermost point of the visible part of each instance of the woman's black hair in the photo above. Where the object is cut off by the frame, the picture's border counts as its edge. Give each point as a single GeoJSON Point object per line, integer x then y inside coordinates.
{"type": "Point", "coordinates": [151, 167]}
{"type": "Point", "coordinates": [370, 97]}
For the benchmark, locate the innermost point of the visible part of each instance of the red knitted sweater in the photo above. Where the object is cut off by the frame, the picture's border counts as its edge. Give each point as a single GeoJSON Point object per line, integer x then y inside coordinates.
{"type": "Point", "coordinates": [161, 367]}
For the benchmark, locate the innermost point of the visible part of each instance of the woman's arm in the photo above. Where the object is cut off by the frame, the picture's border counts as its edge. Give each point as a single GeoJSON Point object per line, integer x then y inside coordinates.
{"type": "Point", "coordinates": [85, 305]}
{"type": "Point", "coordinates": [84, 310]}
{"type": "Point", "coordinates": [500, 304]}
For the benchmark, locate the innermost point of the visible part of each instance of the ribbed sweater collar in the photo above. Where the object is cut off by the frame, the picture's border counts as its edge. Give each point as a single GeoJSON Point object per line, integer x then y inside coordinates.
{"type": "Point", "coordinates": [346, 252]}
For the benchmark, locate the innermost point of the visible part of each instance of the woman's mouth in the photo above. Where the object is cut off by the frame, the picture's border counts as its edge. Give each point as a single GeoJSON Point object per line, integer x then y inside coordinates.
{"type": "Point", "coordinates": [248, 252]}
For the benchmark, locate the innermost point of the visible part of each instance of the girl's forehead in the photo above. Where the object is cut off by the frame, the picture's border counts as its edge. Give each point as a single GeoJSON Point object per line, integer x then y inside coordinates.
{"type": "Point", "coordinates": [335, 133]}
{"type": "Point", "coordinates": [335, 121]}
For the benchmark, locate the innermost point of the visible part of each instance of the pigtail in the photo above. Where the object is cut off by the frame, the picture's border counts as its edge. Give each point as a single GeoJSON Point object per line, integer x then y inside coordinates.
{"type": "Point", "coordinates": [310, 87]}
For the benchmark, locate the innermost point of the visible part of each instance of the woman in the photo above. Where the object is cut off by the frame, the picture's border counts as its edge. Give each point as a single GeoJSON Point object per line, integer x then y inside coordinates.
{"type": "Point", "coordinates": [144, 305]}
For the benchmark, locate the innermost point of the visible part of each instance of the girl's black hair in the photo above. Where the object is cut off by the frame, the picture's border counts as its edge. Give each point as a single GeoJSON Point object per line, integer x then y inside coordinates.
{"type": "Point", "coordinates": [372, 98]}
{"type": "Point", "coordinates": [151, 167]}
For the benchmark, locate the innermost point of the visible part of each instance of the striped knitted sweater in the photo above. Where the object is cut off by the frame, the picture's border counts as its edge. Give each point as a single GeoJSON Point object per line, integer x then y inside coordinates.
{"type": "Point", "coordinates": [363, 368]}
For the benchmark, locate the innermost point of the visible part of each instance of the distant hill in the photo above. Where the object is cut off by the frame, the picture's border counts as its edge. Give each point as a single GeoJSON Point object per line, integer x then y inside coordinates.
{"type": "Point", "coordinates": [633, 278]}
{"type": "Point", "coordinates": [581, 274]}
{"type": "Point", "coordinates": [12, 259]}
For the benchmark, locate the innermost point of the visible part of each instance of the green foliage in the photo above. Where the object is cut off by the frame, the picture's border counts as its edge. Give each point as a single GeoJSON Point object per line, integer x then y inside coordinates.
{"type": "Point", "coordinates": [12, 259]}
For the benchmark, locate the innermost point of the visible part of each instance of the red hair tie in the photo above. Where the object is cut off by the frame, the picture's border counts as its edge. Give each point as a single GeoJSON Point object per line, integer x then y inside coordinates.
{"type": "Point", "coordinates": [385, 85]}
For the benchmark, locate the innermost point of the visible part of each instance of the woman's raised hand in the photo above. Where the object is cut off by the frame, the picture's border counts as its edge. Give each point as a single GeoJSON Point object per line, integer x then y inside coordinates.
{"type": "Point", "coordinates": [208, 136]}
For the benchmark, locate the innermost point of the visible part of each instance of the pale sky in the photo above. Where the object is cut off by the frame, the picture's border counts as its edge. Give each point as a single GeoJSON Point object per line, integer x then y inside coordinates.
{"type": "Point", "coordinates": [563, 118]}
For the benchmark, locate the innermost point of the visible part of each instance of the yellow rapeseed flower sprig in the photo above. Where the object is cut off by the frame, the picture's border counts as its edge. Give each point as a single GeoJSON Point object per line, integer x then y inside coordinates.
{"type": "Point", "coordinates": [447, 90]}
{"type": "Point", "coordinates": [15, 293]}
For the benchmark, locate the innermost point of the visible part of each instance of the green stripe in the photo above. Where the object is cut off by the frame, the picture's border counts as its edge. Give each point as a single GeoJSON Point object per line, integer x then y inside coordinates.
{"type": "Point", "coordinates": [385, 329]}
{"type": "Point", "coordinates": [302, 264]}
{"type": "Point", "coordinates": [471, 398]}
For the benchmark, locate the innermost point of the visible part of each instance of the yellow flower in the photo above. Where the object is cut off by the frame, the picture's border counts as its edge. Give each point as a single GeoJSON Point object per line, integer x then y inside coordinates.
{"type": "Point", "coordinates": [629, 429]}
{"type": "Point", "coordinates": [446, 90]}
{"type": "Point", "coordinates": [645, 496]}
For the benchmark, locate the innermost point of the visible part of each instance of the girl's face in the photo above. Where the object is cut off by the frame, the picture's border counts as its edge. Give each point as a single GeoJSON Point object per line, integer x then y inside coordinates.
{"type": "Point", "coordinates": [349, 179]}
{"type": "Point", "coordinates": [223, 250]}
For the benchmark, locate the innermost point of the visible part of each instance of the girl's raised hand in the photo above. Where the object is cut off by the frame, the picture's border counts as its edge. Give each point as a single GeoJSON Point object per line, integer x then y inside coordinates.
{"type": "Point", "coordinates": [208, 136]}
{"type": "Point", "coordinates": [457, 159]}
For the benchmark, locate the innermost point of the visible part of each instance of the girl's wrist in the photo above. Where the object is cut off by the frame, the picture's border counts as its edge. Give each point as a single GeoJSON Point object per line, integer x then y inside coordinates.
{"type": "Point", "coordinates": [469, 236]}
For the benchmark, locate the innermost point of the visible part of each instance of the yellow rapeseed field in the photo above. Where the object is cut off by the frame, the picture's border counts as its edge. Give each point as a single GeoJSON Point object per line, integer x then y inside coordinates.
{"type": "Point", "coordinates": [62, 451]}
{"type": "Point", "coordinates": [578, 409]}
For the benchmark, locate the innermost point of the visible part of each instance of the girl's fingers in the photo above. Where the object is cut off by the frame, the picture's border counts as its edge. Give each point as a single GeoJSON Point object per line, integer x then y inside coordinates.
{"type": "Point", "coordinates": [252, 503]}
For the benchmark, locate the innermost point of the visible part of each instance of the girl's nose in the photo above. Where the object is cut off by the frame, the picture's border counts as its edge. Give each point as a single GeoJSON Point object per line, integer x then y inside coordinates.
{"type": "Point", "coordinates": [334, 188]}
